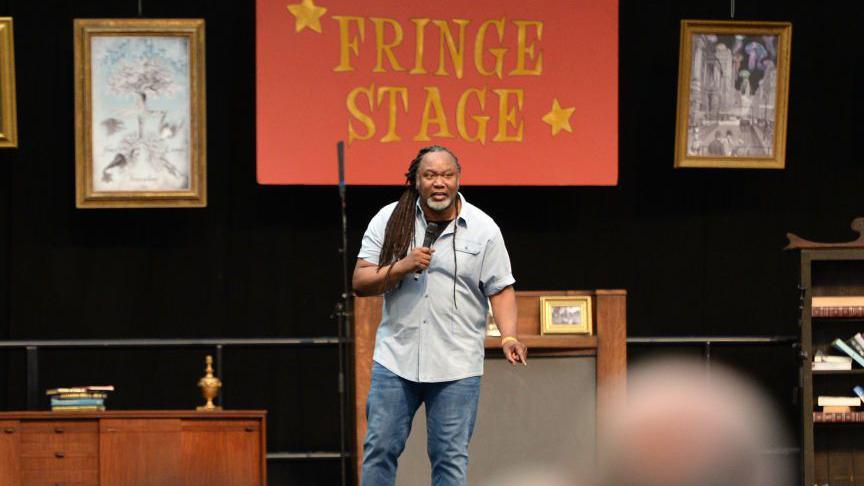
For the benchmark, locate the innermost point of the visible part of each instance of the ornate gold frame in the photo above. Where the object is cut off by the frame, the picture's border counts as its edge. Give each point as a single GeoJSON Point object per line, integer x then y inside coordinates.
{"type": "Point", "coordinates": [8, 108]}
{"type": "Point", "coordinates": [85, 195]}
{"type": "Point", "coordinates": [548, 303]}
{"type": "Point", "coordinates": [783, 31]}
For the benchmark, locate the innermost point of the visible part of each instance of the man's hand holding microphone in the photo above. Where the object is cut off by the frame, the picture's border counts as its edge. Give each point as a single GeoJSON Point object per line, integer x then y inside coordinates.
{"type": "Point", "coordinates": [416, 260]}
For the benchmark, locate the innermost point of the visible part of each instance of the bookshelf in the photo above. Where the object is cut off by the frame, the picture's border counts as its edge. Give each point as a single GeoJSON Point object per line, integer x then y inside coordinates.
{"type": "Point", "coordinates": [830, 272]}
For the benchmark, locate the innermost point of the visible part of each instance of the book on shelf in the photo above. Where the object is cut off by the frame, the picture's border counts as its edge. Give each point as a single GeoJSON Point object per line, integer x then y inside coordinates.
{"type": "Point", "coordinates": [828, 358]}
{"type": "Point", "coordinates": [858, 338]}
{"type": "Point", "coordinates": [831, 366]}
{"type": "Point", "coordinates": [80, 389]}
{"type": "Point", "coordinates": [852, 343]}
{"type": "Point", "coordinates": [77, 401]}
{"type": "Point", "coordinates": [827, 417]}
{"type": "Point", "coordinates": [80, 395]}
{"type": "Point", "coordinates": [837, 409]}
{"type": "Point", "coordinates": [838, 306]}
{"type": "Point", "coordinates": [78, 408]}
{"type": "Point", "coordinates": [842, 346]}
{"type": "Point", "coordinates": [834, 401]}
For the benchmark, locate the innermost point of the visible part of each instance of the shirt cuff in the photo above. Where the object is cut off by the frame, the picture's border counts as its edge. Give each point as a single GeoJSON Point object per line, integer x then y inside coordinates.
{"type": "Point", "coordinates": [369, 257]}
{"type": "Point", "coordinates": [498, 285]}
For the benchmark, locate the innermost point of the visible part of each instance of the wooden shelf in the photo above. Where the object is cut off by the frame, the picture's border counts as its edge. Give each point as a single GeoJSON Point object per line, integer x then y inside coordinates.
{"type": "Point", "coordinates": [837, 319]}
{"type": "Point", "coordinates": [550, 342]}
{"type": "Point", "coordinates": [858, 371]}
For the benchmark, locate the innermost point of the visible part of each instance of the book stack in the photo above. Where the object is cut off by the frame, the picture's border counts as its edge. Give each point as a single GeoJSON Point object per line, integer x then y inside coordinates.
{"type": "Point", "coordinates": [79, 398]}
{"type": "Point", "coordinates": [838, 306]}
{"type": "Point", "coordinates": [840, 409]}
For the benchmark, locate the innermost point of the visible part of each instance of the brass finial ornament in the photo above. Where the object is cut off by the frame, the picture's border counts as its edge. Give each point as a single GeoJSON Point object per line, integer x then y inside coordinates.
{"type": "Point", "coordinates": [210, 386]}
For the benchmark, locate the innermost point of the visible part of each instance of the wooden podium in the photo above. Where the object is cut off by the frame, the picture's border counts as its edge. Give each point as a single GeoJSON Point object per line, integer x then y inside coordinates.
{"type": "Point", "coordinates": [603, 354]}
{"type": "Point", "coordinates": [133, 448]}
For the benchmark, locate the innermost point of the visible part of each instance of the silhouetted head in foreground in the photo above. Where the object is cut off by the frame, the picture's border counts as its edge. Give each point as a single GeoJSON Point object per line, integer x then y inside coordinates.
{"type": "Point", "coordinates": [683, 425]}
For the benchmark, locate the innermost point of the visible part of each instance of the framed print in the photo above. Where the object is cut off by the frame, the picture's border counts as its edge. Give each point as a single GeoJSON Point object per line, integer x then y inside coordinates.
{"type": "Point", "coordinates": [140, 113]}
{"type": "Point", "coordinates": [8, 111]}
{"type": "Point", "coordinates": [733, 90]}
{"type": "Point", "coordinates": [491, 326]}
{"type": "Point", "coordinates": [565, 315]}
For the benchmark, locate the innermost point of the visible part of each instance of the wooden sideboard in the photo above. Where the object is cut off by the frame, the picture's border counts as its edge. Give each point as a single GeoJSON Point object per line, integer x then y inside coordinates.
{"type": "Point", "coordinates": [133, 448]}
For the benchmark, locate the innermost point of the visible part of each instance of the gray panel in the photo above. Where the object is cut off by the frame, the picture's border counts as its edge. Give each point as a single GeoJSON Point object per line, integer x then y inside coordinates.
{"type": "Point", "coordinates": [529, 417]}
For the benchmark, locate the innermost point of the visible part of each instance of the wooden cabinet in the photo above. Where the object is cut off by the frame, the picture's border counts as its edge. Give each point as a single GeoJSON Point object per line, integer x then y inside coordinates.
{"type": "Point", "coordinates": [126, 448]}
{"type": "Point", "coordinates": [204, 442]}
{"type": "Point", "coordinates": [136, 450]}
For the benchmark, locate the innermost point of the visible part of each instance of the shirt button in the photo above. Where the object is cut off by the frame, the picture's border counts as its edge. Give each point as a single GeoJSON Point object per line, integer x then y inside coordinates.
{"type": "Point", "coordinates": [427, 296]}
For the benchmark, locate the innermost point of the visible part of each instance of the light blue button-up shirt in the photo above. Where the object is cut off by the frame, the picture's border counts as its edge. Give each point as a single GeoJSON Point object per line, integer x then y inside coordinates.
{"type": "Point", "coordinates": [424, 336]}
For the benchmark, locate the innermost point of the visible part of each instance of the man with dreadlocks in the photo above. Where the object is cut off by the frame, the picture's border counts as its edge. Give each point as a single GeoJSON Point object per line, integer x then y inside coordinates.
{"type": "Point", "coordinates": [429, 346]}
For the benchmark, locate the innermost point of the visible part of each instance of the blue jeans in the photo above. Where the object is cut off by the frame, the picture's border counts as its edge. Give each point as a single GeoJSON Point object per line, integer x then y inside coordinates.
{"type": "Point", "coordinates": [451, 408]}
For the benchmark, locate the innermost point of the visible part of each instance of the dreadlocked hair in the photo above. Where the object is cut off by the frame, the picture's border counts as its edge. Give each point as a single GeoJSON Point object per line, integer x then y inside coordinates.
{"type": "Point", "coordinates": [399, 234]}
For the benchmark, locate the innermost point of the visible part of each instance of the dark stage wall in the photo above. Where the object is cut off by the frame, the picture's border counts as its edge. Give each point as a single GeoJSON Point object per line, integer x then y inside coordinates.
{"type": "Point", "coordinates": [698, 250]}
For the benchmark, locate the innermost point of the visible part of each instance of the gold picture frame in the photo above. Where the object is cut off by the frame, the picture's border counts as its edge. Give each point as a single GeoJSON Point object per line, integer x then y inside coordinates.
{"type": "Point", "coordinates": [566, 315]}
{"type": "Point", "coordinates": [733, 93]}
{"type": "Point", "coordinates": [8, 101]}
{"type": "Point", "coordinates": [140, 113]}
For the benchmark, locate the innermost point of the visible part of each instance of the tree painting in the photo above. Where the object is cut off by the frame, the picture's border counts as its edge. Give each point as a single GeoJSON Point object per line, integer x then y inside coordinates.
{"type": "Point", "coordinates": [140, 93]}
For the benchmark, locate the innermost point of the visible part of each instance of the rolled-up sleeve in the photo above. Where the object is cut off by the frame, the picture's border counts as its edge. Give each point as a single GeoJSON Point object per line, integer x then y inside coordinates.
{"type": "Point", "coordinates": [496, 273]}
{"type": "Point", "coordinates": [373, 239]}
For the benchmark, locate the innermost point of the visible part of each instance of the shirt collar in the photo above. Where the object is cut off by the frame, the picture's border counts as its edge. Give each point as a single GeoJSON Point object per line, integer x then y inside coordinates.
{"type": "Point", "coordinates": [464, 212]}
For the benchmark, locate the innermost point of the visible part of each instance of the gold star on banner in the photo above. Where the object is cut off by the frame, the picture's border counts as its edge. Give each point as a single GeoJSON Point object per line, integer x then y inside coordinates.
{"type": "Point", "coordinates": [307, 15]}
{"type": "Point", "coordinates": [559, 118]}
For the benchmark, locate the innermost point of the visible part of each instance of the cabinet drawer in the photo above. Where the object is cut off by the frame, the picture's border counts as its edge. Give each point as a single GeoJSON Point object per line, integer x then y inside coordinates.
{"type": "Point", "coordinates": [69, 468]}
{"type": "Point", "coordinates": [201, 425]}
{"type": "Point", "coordinates": [66, 444]}
{"type": "Point", "coordinates": [51, 482]}
{"type": "Point", "coordinates": [59, 426]}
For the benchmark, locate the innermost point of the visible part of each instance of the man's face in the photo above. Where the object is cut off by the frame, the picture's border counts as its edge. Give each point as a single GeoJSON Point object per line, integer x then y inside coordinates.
{"type": "Point", "coordinates": [438, 181]}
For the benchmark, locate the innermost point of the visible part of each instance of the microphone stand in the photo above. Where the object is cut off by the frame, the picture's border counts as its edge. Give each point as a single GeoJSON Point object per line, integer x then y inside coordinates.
{"type": "Point", "coordinates": [342, 311]}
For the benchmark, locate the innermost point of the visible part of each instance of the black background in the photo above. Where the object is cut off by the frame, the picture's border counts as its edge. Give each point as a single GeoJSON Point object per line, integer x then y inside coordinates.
{"type": "Point", "coordinates": [699, 251]}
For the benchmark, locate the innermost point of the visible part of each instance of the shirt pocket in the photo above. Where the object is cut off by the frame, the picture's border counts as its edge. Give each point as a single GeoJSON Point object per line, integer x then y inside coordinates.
{"type": "Point", "coordinates": [469, 258]}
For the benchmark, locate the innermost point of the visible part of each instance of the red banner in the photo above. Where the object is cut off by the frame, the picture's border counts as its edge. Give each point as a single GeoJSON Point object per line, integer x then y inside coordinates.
{"type": "Point", "coordinates": [525, 93]}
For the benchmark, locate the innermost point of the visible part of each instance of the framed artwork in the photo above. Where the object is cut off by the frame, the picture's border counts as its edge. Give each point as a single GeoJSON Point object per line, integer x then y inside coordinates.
{"type": "Point", "coordinates": [8, 110]}
{"type": "Point", "coordinates": [140, 113]}
{"type": "Point", "coordinates": [491, 326]}
{"type": "Point", "coordinates": [565, 315]}
{"type": "Point", "coordinates": [733, 91]}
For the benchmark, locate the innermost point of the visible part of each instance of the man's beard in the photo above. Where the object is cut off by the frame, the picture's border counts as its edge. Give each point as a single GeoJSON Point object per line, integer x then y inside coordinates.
{"type": "Point", "coordinates": [439, 206]}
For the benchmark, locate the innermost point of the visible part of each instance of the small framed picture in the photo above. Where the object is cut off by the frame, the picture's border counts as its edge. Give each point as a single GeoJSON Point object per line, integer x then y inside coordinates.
{"type": "Point", "coordinates": [733, 91]}
{"type": "Point", "coordinates": [140, 113]}
{"type": "Point", "coordinates": [491, 326]}
{"type": "Point", "coordinates": [565, 315]}
{"type": "Point", "coordinates": [8, 111]}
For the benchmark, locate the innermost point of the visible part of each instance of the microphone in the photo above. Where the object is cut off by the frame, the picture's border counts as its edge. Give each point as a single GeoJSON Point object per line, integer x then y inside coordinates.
{"type": "Point", "coordinates": [433, 231]}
